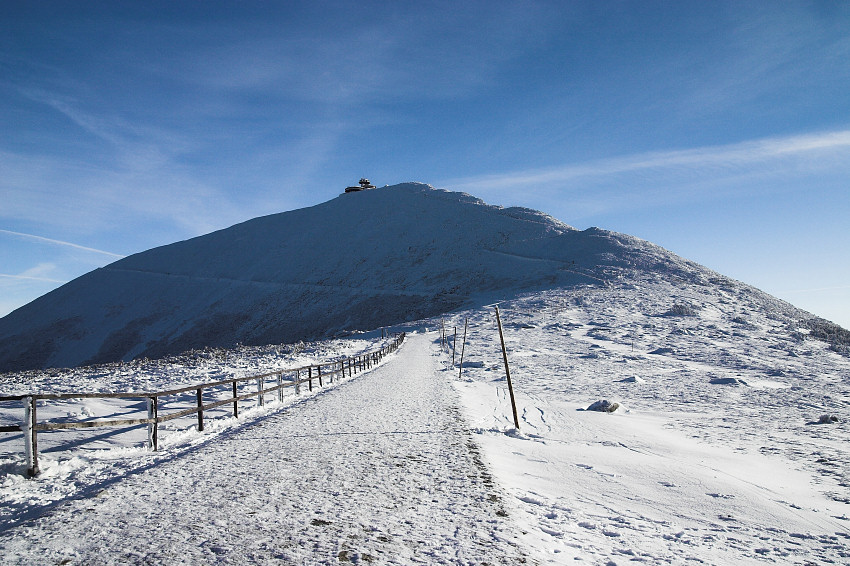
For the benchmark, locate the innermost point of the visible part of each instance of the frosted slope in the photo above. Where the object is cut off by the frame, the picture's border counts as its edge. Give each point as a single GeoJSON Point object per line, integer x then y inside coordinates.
{"type": "Point", "coordinates": [359, 261]}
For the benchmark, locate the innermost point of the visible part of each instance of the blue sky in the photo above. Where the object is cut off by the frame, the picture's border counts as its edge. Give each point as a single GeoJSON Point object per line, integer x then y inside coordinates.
{"type": "Point", "coordinates": [719, 130]}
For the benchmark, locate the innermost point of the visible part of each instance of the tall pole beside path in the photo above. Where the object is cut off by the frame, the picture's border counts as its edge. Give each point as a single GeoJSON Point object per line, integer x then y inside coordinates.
{"type": "Point", "coordinates": [507, 368]}
{"type": "Point", "coordinates": [463, 347]}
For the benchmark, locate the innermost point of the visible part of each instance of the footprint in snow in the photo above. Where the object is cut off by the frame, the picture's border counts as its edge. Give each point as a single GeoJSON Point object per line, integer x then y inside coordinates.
{"type": "Point", "coordinates": [530, 500]}
{"type": "Point", "coordinates": [553, 533]}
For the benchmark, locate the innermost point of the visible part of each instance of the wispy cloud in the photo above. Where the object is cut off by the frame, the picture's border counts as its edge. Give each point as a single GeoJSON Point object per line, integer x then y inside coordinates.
{"type": "Point", "coordinates": [30, 278]}
{"type": "Point", "coordinates": [17, 289]}
{"type": "Point", "coordinates": [58, 243]}
{"type": "Point", "coordinates": [652, 178]}
{"type": "Point", "coordinates": [734, 156]}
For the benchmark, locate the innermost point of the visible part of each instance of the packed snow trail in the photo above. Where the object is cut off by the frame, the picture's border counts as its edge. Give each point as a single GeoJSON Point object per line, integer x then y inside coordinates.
{"type": "Point", "coordinates": [380, 469]}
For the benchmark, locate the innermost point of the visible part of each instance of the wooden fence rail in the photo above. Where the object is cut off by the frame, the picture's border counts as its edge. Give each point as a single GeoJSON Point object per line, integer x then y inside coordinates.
{"type": "Point", "coordinates": [307, 374]}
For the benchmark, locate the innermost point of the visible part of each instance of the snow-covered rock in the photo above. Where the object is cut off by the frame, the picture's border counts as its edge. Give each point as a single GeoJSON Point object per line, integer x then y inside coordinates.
{"type": "Point", "coordinates": [603, 406]}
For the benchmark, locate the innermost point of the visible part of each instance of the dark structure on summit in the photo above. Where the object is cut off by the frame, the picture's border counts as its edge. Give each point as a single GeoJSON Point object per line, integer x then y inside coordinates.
{"type": "Point", "coordinates": [362, 186]}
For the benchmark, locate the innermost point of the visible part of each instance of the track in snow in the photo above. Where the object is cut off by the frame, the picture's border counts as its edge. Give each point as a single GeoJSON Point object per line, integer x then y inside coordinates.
{"type": "Point", "coordinates": [379, 469]}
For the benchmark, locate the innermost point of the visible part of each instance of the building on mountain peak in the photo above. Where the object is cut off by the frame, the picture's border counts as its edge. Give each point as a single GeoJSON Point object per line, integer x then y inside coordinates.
{"type": "Point", "coordinates": [361, 186]}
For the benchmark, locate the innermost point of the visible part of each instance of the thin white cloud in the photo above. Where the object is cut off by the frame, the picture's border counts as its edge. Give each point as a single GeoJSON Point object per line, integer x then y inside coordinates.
{"type": "Point", "coordinates": [733, 157]}
{"type": "Point", "coordinates": [30, 278]}
{"type": "Point", "coordinates": [58, 243]}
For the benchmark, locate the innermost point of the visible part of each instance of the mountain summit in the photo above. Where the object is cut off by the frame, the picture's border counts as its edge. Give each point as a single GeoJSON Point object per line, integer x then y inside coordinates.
{"type": "Point", "coordinates": [360, 261]}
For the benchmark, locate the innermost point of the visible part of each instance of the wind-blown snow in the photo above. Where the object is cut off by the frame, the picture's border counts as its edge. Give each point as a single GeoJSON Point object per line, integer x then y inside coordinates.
{"type": "Point", "coordinates": [715, 454]}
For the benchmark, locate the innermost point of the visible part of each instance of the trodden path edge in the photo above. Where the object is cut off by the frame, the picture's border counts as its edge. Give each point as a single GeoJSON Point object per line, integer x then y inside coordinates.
{"type": "Point", "coordinates": [380, 469]}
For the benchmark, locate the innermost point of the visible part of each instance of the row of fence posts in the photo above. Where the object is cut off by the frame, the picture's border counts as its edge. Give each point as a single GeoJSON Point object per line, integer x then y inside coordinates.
{"type": "Point", "coordinates": [352, 365]}
{"type": "Point", "coordinates": [361, 363]}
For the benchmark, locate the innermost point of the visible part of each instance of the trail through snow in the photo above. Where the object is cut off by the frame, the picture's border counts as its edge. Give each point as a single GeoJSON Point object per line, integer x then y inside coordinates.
{"type": "Point", "coordinates": [378, 469]}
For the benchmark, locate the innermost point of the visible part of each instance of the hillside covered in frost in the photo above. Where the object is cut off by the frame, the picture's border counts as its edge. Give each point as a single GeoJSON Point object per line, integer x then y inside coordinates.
{"type": "Point", "coordinates": [359, 261]}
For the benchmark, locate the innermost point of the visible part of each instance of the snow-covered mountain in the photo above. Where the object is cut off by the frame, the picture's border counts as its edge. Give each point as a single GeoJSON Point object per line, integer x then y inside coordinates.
{"type": "Point", "coordinates": [729, 444]}
{"type": "Point", "coordinates": [357, 262]}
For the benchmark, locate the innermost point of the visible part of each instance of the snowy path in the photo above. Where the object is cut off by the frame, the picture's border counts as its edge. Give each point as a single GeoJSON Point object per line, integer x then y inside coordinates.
{"type": "Point", "coordinates": [380, 469]}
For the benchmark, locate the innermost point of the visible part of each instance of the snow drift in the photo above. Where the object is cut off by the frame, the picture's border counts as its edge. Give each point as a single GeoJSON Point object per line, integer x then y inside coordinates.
{"type": "Point", "coordinates": [356, 262]}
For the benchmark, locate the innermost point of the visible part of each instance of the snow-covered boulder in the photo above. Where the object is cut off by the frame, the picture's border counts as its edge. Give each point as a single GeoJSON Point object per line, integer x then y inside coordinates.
{"type": "Point", "coordinates": [603, 406]}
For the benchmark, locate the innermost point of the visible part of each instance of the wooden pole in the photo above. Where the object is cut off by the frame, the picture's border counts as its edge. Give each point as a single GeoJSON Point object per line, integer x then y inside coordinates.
{"type": "Point", "coordinates": [200, 411]}
{"type": "Point", "coordinates": [30, 437]}
{"type": "Point", "coordinates": [260, 396]}
{"type": "Point", "coordinates": [235, 402]}
{"type": "Point", "coordinates": [153, 441]}
{"type": "Point", "coordinates": [454, 348]}
{"type": "Point", "coordinates": [297, 381]}
{"type": "Point", "coordinates": [463, 346]}
{"type": "Point", "coordinates": [319, 369]}
{"type": "Point", "coordinates": [507, 368]}
{"type": "Point", "coordinates": [310, 377]}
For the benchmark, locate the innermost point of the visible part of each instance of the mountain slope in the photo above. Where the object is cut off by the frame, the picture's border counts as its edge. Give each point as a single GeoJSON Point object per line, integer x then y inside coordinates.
{"type": "Point", "coordinates": [359, 261]}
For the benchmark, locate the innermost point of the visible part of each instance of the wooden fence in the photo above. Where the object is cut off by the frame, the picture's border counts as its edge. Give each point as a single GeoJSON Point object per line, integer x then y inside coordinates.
{"type": "Point", "coordinates": [296, 377]}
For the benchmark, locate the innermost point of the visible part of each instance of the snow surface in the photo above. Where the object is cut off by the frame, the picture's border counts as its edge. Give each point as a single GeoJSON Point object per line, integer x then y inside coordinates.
{"type": "Point", "coordinates": [691, 468]}
{"type": "Point", "coordinates": [380, 468]}
{"type": "Point", "coordinates": [412, 463]}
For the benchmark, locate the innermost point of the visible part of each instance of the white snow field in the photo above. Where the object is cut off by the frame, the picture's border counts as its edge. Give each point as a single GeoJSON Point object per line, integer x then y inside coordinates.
{"type": "Point", "coordinates": [378, 469]}
{"type": "Point", "coordinates": [715, 455]}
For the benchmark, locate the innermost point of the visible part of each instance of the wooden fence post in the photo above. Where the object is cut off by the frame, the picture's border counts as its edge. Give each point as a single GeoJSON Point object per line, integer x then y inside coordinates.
{"type": "Point", "coordinates": [454, 347]}
{"type": "Point", "coordinates": [30, 437]}
{"type": "Point", "coordinates": [297, 381]}
{"type": "Point", "coordinates": [319, 369]}
{"type": "Point", "coordinates": [260, 396]}
{"type": "Point", "coordinates": [153, 428]}
{"type": "Point", "coordinates": [280, 386]}
{"type": "Point", "coordinates": [200, 410]}
{"type": "Point", "coordinates": [463, 346]}
{"type": "Point", "coordinates": [235, 402]}
{"type": "Point", "coordinates": [310, 377]}
{"type": "Point", "coordinates": [507, 369]}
